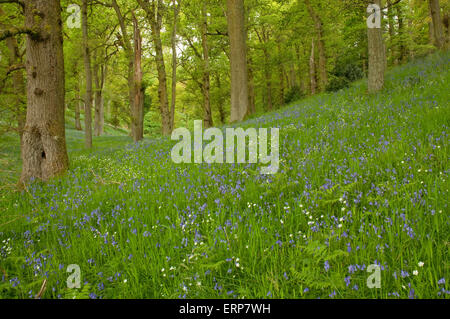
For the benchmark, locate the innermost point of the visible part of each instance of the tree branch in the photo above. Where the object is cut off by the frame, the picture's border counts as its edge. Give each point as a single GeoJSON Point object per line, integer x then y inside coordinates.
{"type": "Point", "coordinates": [4, 34]}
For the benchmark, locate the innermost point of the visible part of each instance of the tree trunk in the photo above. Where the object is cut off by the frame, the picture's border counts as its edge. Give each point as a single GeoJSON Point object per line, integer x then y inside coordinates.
{"type": "Point", "coordinates": [392, 34]}
{"type": "Point", "coordinates": [88, 71]}
{"type": "Point", "coordinates": [446, 22]}
{"type": "Point", "coordinates": [44, 153]}
{"type": "Point", "coordinates": [401, 35]}
{"type": "Point", "coordinates": [78, 106]}
{"type": "Point", "coordinates": [435, 11]}
{"type": "Point", "coordinates": [103, 72]}
{"type": "Point", "coordinates": [323, 76]}
{"type": "Point", "coordinates": [98, 98]}
{"type": "Point", "coordinates": [130, 53]}
{"type": "Point", "coordinates": [238, 59]}
{"type": "Point", "coordinates": [138, 103]}
{"type": "Point", "coordinates": [251, 87]}
{"type": "Point", "coordinates": [220, 105]}
{"type": "Point", "coordinates": [206, 85]}
{"type": "Point", "coordinates": [377, 57]}
{"type": "Point", "coordinates": [431, 32]}
{"type": "Point", "coordinates": [99, 80]}
{"type": "Point", "coordinates": [268, 78]}
{"type": "Point", "coordinates": [281, 73]}
{"type": "Point", "coordinates": [176, 9]}
{"type": "Point", "coordinates": [312, 69]}
{"type": "Point", "coordinates": [154, 15]}
{"type": "Point", "coordinates": [251, 80]}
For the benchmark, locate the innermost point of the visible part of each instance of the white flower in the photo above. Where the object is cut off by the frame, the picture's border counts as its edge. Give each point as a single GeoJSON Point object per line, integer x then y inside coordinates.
{"type": "Point", "coordinates": [415, 272]}
{"type": "Point", "coordinates": [421, 264]}
{"type": "Point", "coordinates": [125, 281]}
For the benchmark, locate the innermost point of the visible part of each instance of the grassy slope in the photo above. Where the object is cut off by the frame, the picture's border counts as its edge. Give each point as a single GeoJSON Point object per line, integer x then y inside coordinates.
{"type": "Point", "coordinates": [363, 180]}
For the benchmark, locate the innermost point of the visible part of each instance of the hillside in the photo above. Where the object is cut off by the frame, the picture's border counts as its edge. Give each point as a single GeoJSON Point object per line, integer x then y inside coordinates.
{"type": "Point", "coordinates": [363, 180]}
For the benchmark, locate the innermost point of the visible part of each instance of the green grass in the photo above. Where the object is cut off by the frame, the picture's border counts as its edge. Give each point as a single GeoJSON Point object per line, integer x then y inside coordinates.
{"type": "Point", "coordinates": [363, 180]}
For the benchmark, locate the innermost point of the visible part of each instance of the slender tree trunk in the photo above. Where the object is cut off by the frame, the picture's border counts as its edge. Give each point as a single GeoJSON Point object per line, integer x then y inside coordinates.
{"type": "Point", "coordinates": [268, 78]}
{"type": "Point", "coordinates": [292, 72]}
{"type": "Point", "coordinates": [220, 105]}
{"type": "Point", "coordinates": [176, 8]}
{"type": "Point", "coordinates": [392, 32]}
{"type": "Point", "coordinates": [281, 73]}
{"type": "Point", "coordinates": [44, 153]}
{"type": "Point", "coordinates": [130, 53]}
{"type": "Point", "coordinates": [88, 71]}
{"type": "Point", "coordinates": [238, 59]}
{"type": "Point", "coordinates": [97, 98]}
{"type": "Point", "coordinates": [301, 80]}
{"type": "Point", "coordinates": [154, 15]}
{"type": "Point", "coordinates": [312, 69]}
{"type": "Point", "coordinates": [162, 90]}
{"type": "Point", "coordinates": [138, 103]}
{"type": "Point", "coordinates": [431, 32]}
{"type": "Point", "coordinates": [377, 57]}
{"type": "Point", "coordinates": [264, 39]}
{"type": "Point", "coordinates": [435, 12]}
{"type": "Point", "coordinates": [207, 116]}
{"type": "Point", "coordinates": [401, 35]}
{"type": "Point", "coordinates": [99, 80]}
{"type": "Point", "coordinates": [323, 75]}
{"type": "Point", "coordinates": [78, 106]}
{"type": "Point", "coordinates": [251, 80]}
{"type": "Point", "coordinates": [104, 70]}
{"type": "Point", "coordinates": [251, 87]}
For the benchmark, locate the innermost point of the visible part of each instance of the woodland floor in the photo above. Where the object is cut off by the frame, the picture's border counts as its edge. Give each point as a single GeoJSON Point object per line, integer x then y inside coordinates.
{"type": "Point", "coordinates": [363, 180]}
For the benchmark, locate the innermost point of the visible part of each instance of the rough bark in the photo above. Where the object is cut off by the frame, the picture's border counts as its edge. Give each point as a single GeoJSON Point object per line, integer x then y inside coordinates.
{"type": "Point", "coordinates": [238, 59]}
{"type": "Point", "coordinates": [435, 12]}
{"type": "Point", "coordinates": [88, 72]}
{"type": "Point", "coordinates": [44, 153]}
{"type": "Point", "coordinates": [377, 57]}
